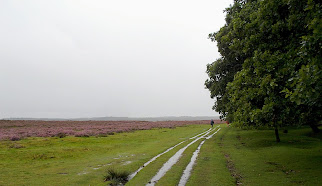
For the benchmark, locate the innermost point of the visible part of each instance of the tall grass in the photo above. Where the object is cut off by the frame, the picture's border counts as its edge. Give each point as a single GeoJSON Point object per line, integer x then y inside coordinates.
{"type": "Point", "coordinates": [116, 177]}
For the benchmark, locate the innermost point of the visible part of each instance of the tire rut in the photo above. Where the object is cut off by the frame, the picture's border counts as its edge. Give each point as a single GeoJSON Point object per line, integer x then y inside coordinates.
{"type": "Point", "coordinates": [131, 176]}
{"type": "Point", "coordinates": [173, 160]}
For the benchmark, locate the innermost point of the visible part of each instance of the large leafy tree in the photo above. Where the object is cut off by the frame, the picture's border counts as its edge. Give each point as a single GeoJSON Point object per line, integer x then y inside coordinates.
{"type": "Point", "coordinates": [306, 84]}
{"type": "Point", "coordinates": [229, 41]}
{"type": "Point", "coordinates": [279, 84]}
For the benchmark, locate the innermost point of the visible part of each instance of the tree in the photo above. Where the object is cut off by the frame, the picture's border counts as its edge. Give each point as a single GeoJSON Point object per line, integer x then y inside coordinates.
{"type": "Point", "coordinates": [306, 83]}
{"type": "Point", "coordinates": [229, 41]}
{"type": "Point", "coordinates": [279, 83]}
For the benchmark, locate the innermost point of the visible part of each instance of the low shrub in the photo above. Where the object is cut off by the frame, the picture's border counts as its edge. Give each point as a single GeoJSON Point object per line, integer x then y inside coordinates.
{"type": "Point", "coordinates": [82, 134]}
{"type": "Point", "coordinates": [15, 138]}
{"type": "Point", "coordinates": [61, 135]}
{"type": "Point", "coordinates": [16, 146]}
{"type": "Point", "coordinates": [29, 128]}
{"type": "Point", "coordinates": [42, 156]}
{"type": "Point", "coordinates": [116, 177]}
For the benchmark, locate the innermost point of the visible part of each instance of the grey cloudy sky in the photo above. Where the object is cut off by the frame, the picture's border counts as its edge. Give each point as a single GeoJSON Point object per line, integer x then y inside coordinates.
{"type": "Point", "coordinates": [107, 58]}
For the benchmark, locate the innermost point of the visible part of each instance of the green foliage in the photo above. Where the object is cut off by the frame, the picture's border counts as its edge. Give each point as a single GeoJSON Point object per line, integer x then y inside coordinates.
{"type": "Point", "coordinates": [229, 42]}
{"type": "Point", "coordinates": [278, 45]}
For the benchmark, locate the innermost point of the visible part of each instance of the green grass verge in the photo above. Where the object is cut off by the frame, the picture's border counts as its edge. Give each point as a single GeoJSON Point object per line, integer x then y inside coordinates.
{"type": "Point", "coordinates": [254, 158]}
{"type": "Point", "coordinates": [211, 167]}
{"type": "Point", "coordinates": [83, 160]}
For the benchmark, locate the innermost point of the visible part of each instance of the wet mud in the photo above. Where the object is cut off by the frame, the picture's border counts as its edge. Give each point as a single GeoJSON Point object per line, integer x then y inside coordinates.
{"type": "Point", "coordinates": [131, 176]}
{"type": "Point", "coordinates": [167, 166]}
{"type": "Point", "coordinates": [187, 172]}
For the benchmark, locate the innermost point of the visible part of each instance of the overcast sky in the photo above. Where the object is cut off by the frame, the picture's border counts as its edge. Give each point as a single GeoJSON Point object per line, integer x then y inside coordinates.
{"type": "Point", "coordinates": [94, 58]}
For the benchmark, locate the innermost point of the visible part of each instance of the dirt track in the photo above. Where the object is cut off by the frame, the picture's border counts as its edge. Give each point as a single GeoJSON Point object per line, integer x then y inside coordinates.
{"type": "Point", "coordinates": [175, 158]}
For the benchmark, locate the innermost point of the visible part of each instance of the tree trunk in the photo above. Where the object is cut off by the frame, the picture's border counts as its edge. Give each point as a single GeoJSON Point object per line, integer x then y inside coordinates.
{"type": "Point", "coordinates": [276, 130]}
{"type": "Point", "coordinates": [277, 135]}
{"type": "Point", "coordinates": [315, 128]}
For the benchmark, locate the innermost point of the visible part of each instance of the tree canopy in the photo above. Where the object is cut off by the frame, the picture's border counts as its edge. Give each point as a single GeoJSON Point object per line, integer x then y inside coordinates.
{"type": "Point", "coordinates": [270, 70]}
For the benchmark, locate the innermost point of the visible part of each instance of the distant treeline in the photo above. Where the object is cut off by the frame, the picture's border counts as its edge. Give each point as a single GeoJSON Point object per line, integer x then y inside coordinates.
{"type": "Point", "coordinates": [169, 118]}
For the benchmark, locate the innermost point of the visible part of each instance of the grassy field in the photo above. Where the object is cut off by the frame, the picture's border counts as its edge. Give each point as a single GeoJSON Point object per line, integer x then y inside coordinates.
{"type": "Point", "coordinates": [231, 156]}
{"type": "Point", "coordinates": [254, 158]}
{"type": "Point", "coordinates": [83, 160]}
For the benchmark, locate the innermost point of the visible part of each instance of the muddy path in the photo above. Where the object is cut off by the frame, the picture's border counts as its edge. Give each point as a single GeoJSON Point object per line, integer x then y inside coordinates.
{"type": "Point", "coordinates": [187, 172]}
{"type": "Point", "coordinates": [131, 176]}
{"type": "Point", "coordinates": [201, 137]}
{"type": "Point", "coordinates": [151, 160]}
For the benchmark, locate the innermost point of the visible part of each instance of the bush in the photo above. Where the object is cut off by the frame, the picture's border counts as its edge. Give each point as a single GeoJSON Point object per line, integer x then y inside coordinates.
{"type": "Point", "coordinates": [61, 135]}
{"type": "Point", "coordinates": [16, 146]}
{"type": "Point", "coordinates": [82, 134]}
{"type": "Point", "coordinates": [116, 177]}
{"type": "Point", "coordinates": [15, 138]}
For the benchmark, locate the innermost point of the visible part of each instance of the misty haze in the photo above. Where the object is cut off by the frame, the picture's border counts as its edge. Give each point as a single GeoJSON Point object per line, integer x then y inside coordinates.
{"type": "Point", "coordinates": [71, 59]}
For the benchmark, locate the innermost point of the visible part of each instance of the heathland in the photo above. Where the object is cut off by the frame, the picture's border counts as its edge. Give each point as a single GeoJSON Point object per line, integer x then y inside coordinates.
{"type": "Point", "coordinates": [228, 156]}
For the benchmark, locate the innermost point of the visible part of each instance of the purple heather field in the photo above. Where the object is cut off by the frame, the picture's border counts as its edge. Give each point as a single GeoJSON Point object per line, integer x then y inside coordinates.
{"type": "Point", "coordinates": [18, 129]}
